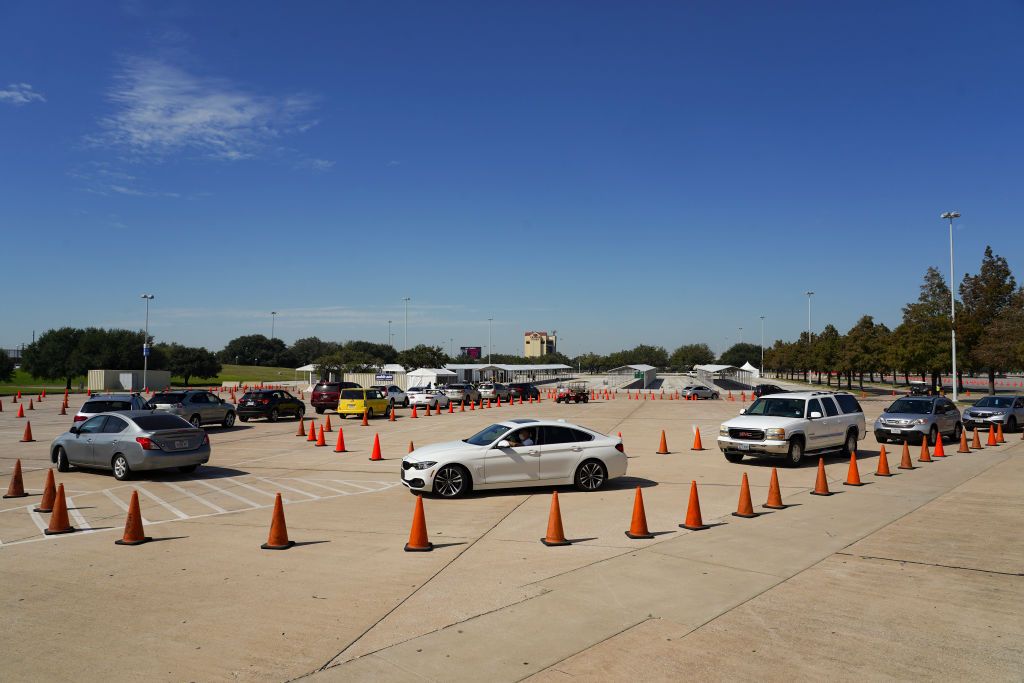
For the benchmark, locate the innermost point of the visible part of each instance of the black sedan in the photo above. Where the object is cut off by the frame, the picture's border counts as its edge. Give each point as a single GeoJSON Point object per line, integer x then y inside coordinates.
{"type": "Point", "coordinates": [767, 390]}
{"type": "Point", "coordinates": [271, 404]}
{"type": "Point", "coordinates": [524, 390]}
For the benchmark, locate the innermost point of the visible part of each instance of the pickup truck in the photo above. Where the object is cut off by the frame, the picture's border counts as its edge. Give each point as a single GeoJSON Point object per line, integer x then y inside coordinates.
{"type": "Point", "coordinates": [793, 425]}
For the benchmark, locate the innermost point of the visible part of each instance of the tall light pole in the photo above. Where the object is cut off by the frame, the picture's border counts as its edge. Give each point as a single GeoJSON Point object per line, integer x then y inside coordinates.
{"type": "Point", "coordinates": [406, 300]}
{"type": "Point", "coordinates": [809, 295]}
{"type": "Point", "coordinates": [451, 347]}
{"type": "Point", "coordinates": [950, 215]}
{"type": "Point", "coordinates": [145, 345]}
{"type": "Point", "coordinates": [489, 320]}
{"type": "Point", "coordinates": [273, 321]}
{"type": "Point", "coordinates": [762, 345]}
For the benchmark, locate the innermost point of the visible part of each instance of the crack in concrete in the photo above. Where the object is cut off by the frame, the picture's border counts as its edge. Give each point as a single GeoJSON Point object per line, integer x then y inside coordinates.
{"type": "Point", "coordinates": [932, 564]}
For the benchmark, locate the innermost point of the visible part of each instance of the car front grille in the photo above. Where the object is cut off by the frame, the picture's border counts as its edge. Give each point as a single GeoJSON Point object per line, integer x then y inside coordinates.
{"type": "Point", "coordinates": [747, 434]}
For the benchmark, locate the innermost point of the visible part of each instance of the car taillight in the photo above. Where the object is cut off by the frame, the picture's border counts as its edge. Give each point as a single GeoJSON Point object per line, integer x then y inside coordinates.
{"type": "Point", "coordinates": [146, 443]}
{"type": "Point", "coordinates": [619, 447]}
{"type": "Point", "coordinates": [79, 418]}
{"type": "Point", "coordinates": [265, 401]}
{"type": "Point", "coordinates": [206, 439]}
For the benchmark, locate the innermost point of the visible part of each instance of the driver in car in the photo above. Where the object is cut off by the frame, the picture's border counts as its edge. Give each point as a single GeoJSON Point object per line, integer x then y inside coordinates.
{"type": "Point", "coordinates": [524, 437]}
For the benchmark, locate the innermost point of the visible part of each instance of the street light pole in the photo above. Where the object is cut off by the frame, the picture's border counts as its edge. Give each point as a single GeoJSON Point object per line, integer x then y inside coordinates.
{"type": "Point", "coordinates": [950, 215]}
{"type": "Point", "coordinates": [406, 300]}
{"type": "Point", "coordinates": [389, 333]}
{"type": "Point", "coordinates": [451, 347]}
{"type": "Point", "coordinates": [809, 295]}
{"type": "Point", "coordinates": [489, 320]}
{"type": "Point", "coordinates": [762, 345]}
{"type": "Point", "coordinates": [273, 320]}
{"type": "Point", "coordinates": [145, 345]}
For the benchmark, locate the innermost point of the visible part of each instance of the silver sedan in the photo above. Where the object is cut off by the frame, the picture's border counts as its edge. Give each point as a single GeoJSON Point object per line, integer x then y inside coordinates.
{"type": "Point", "coordinates": [700, 391]}
{"type": "Point", "coordinates": [132, 441]}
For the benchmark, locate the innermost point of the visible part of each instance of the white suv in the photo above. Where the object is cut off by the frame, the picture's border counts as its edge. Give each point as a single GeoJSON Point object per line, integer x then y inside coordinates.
{"type": "Point", "coordinates": [794, 424]}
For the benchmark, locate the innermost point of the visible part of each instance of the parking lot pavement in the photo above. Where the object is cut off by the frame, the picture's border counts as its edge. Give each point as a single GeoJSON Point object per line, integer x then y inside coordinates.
{"type": "Point", "coordinates": [205, 603]}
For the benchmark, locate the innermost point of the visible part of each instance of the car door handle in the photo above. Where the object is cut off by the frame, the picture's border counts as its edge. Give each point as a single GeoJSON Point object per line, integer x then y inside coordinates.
{"type": "Point", "coordinates": [576, 449]}
{"type": "Point", "coordinates": [533, 452]}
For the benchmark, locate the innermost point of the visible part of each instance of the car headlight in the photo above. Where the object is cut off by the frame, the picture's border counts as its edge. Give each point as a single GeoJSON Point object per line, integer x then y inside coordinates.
{"type": "Point", "coordinates": [920, 421]}
{"type": "Point", "coordinates": [999, 413]}
{"type": "Point", "coordinates": [723, 431]}
{"type": "Point", "coordinates": [425, 465]}
{"type": "Point", "coordinates": [775, 434]}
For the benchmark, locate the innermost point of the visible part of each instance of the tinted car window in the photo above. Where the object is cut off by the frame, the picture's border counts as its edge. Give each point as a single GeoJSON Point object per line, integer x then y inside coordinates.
{"type": "Point", "coordinates": [777, 407]}
{"type": "Point", "coordinates": [907, 406]}
{"type": "Point", "coordinates": [176, 397]}
{"type": "Point", "coordinates": [830, 407]}
{"type": "Point", "coordinates": [848, 404]}
{"type": "Point", "coordinates": [327, 386]}
{"type": "Point", "coordinates": [557, 435]}
{"type": "Point", "coordinates": [152, 423]}
{"type": "Point", "coordinates": [581, 436]}
{"type": "Point", "coordinates": [114, 425]}
{"type": "Point", "coordinates": [352, 394]}
{"type": "Point", "coordinates": [93, 426]}
{"type": "Point", "coordinates": [814, 406]}
{"type": "Point", "coordinates": [105, 406]}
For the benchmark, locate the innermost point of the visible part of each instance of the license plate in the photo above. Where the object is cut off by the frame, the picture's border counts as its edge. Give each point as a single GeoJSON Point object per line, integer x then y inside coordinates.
{"type": "Point", "coordinates": [744, 446]}
{"type": "Point", "coordinates": [178, 445]}
{"type": "Point", "coordinates": [896, 431]}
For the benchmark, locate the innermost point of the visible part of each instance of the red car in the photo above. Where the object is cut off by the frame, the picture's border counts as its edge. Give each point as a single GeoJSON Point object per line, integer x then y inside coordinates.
{"type": "Point", "coordinates": [326, 394]}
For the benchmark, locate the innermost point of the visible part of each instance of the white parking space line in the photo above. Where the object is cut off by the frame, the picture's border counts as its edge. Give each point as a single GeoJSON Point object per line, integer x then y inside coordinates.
{"type": "Point", "coordinates": [229, 493]}
{"type": "Point", "coordinates": [253, 488]}
{"type": "Point", "coordinates": [120, 503]}
{"type": "Point", "coordinates": [158, 501]}
{"type": "Point", "coordinates": [324, 486]}
{"type": "Point", "coordinates": [194, 497]}
{"type": "Point", "coordinates": [36, 518]}
{"type": "Point", "coordinates": [82, 524]}
{"type": "Point", "coordinates": [290, 488]}
{"type": "Point", "coordinates": [359, 486]}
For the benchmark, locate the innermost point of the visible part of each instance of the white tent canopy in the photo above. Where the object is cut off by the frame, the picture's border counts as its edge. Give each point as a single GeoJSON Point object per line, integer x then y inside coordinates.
{"type": "Point", "coordinates": [747, 367]}
{"type": "Point", "coordinates": [429, 376]}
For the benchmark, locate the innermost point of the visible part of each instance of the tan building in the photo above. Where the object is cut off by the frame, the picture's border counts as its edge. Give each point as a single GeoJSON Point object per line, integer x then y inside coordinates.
{"type": "Point", "coordinates": [537, 344]}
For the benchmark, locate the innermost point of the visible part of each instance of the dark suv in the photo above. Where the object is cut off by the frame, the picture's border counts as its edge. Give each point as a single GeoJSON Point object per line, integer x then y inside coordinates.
{"type": "Point", "coordinates": [767, 390]}
{"type": "Point", "coordinates": [269, 403]}
{"type": "Point", "coordinates": [524, 390]}
{"type": "Point", "coordinates": [326, 394]}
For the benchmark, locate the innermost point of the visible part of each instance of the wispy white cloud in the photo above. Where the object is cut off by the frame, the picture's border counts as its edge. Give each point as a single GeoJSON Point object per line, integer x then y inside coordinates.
{"type": "Point", "coordinates": [315, 164]}
{"type": "Point", "coordinates": [103, 179]}
{"type": "Point", "coordinates": [161, 109]}
{"type": "Point", "coordinates": [19, 94]}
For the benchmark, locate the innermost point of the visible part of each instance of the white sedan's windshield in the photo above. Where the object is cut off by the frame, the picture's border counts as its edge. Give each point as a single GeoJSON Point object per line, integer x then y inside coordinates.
{"type": "Point", "coordinates": [487, 436]}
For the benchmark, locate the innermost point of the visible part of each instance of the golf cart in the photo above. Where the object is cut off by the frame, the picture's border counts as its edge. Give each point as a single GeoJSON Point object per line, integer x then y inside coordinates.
{"type": "Point", "coordinates": [574, 392]}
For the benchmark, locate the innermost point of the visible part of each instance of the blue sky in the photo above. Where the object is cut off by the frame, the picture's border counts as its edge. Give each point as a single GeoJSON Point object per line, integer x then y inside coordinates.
{"type": "Point", "coordinates": [644, 172]}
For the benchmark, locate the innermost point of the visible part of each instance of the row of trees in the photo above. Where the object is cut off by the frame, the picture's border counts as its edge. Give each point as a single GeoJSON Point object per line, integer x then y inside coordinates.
{"type": "Point", "coordinates": [989, 330]}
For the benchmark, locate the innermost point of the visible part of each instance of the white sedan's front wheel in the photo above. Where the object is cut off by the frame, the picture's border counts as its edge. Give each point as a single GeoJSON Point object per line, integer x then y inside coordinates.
{"type": "Point", "coordinates": [451, 481]}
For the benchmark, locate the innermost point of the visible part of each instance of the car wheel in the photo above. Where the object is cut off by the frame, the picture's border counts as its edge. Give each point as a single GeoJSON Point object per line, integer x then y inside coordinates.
{"type": "Point", "coordinates": [229, 420]}
{"type": "Point", "coordinates": [957, 431]}
{"type": "Point", "coordinates": [300, 413]}
{"type": "Point", "coordinates": [451, 481]}
{"type": "Point", "coordinates": [187, 469]}
{"type": "Point", "coordinates": [369, 413]}
{"type": "Point", "coordinates": [196, 421]}
{"type": "Point", "coordinates": [795, 453]}
{"type": "Point", "coordinates": [591, 475]}
{"type": "Point", "coordinates": [1011, 424]}
{"type": "Point", "coordinates": [320, 411]}
{"type": "Point", "coordinates": [405, 403]}
{"type": "Point", "coordinates": [243, 418]}
{"type": "Point", "coordinates": [850, 445]}
{"type": "Point", "coordinates": [274, 415]}
{"type": "Point", "coordinates": [62, 460]}
{"type": "Point", "coordinates": [734, 457]}
{"type": "Point", "coordinates": [120, 466]}
{"type": "Point", "coordinates": [881, 439]}
{"type": "Point", "coordinates": [933, 435]}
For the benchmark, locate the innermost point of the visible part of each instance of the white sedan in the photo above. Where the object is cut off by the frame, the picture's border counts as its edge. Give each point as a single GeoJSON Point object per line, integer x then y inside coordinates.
{"type": "Point", "coordinates": [422, 397]}
{"type": "Point", "coordinates": [516, 453]}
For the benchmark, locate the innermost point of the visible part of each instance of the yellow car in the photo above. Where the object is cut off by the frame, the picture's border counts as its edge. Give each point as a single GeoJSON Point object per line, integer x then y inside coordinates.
{"type": "Point", "coordinates": [356, 401]}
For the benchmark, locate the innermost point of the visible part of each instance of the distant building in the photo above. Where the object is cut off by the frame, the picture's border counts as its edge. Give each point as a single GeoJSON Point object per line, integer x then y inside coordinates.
{"type": "Point", "coordinates": [537, 344]}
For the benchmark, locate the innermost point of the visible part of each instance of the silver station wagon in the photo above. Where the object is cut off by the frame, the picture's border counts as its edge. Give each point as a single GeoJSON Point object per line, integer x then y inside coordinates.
{"type": "Point", "coordinates": [132, 441]}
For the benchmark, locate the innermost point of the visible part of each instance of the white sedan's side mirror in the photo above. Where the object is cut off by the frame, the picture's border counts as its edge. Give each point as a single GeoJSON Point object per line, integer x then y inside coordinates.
{"type": "Point", "coordinates": [742, 411]}
{"type": "Point", "coordinates": [504, 444]}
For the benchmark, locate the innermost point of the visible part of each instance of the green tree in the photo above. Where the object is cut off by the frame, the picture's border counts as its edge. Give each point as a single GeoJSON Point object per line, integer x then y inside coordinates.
{"type": "Point", "coordinates": [826, 352]}
{"type": "Point", "coordinates": [256, 349]}
{"type": "Point", "coordinates": [740, 354]}
{"type": "Point", "coordinates": [423, 356]}
{"type": "Point", "coordinates": [927, 328]}
{"type": "Point", "coordinates": [6, 367]}
{"type": "Point", "coordinates": [189, 361]}
{"type": "Point", "coordinates": [985, 296]}
{"type": "Point", "coordinates": [1002, 346]}
{"type": "Point", "coordinates": [54, 355]}
{"type": "Point", "coordinates": [688, 355]}
{"type": "Point", "coordinates": [308, 349]}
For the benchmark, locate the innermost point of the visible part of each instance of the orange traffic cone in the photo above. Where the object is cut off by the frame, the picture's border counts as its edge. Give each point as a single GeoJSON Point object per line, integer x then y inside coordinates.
{"type": "Point", "coordinates": [418, 542]}
{"type": "Point", "coordinates": [940, 452]}
{"type": "Point", "coordinates": [30, 406]}
{"type": "Point", "coordinates": [320, 441]}
{"type": "Point", "coordinates": [905, 462]}
{"type": "Point", "coordinates": [63, 409]}
{"type": "Point", "coordinates": [462, 406]}
{"type": "Point", "coordinates": [391, 414]}
{"type": "Point", "coordinates": [428, 410]}
{"type": "Point", "coordinates": [49, 494]}
{"type": "Point", "coordinates": [17, 486]}
{"type": "Point", "coordinates": [488, 403]}
{"type": "Point", "coordinates": [925, 455]}
{"type": "Point", "coordinates": [697, 445]}
{"type": "Point", "coordinates": [327, 425]}
{"type": "Point", "coordinates": [853, 474]}
{"type": "Point", "coordinates": [555, 535]}
{"type": "Point", "coordinates": [964, 448]}
{"type": "Point", "coordinates": [975, 440]}
{"type": "Point", "coordinates": [744, 508]}
{"type": "Point", "coordinates": [133, 533]}
{"type": "Point", "coordinates": [21, 410]}
{"type": "Point", "coordinates": [59, 523]}
{"type": "Point", "coordinates": [999, 429]}
{"type": "Point", "coordinates": [821, 483]}
{"type": "Point", "coordinates": [414, 415]}
{"type": "Point", "coordinates": [774, 493]}
{"type": "Point", "coordinates": [663, 446]}
{"type": "Point", "coordinates": [991, 437]}
{"type": "Point", "coordinates": [693, 520]}
{"type": "Point", "coordinates": [340, 447]}
{"type": "Point", "coordinates": [312, 432]}
{"type": "Point", "coordinates": [301, 431]}
{"type": "Point", "coordinates": [26, 437]}
{"type": "Point", "coordinates": [375, 454]}
{"type": "Point", "coordinates": [472, 405]}
{"type": "Point", "coordinates": [638, 526]}
{"type": "Point", "coordinates": [278, 537]}
{"type": "Point", "coordinates": [411, 447]}
{"type": "Point", "coordinates": [883, 464]}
